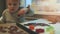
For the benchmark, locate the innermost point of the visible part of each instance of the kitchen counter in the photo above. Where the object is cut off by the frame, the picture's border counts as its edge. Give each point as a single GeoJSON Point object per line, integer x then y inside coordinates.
{"type": "Point", "coordinates": [47, 13]}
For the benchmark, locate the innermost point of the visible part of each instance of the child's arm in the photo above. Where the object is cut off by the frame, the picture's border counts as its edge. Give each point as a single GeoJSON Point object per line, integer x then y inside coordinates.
{"type": "Point", "coordinates": [3, 17]}
{"type": "Point", "coordinates": [26, 11]}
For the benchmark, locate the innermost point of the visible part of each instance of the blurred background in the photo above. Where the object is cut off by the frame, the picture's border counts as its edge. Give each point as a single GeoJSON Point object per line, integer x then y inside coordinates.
{"type": "Point", "coordinates": [37, 5]}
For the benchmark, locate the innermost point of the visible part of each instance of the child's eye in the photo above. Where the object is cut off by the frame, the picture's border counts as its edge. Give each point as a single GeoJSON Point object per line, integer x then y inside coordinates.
{"type": "Point", "coordinates": [10, 4]}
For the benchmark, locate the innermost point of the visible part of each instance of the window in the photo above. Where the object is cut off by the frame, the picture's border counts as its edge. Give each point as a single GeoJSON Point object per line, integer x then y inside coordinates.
{"type": "Point", "coordinates": [58, 1]}
{"type": "Point", "coordinates": [28, 2]}
{"type": "Point", "coordinates": [44, 5]}
{"type": "Point", "coordinates": [25, 3]}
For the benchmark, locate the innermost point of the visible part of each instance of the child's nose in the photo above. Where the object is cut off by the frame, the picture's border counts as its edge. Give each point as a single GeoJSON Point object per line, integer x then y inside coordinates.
{"type": "Point", "coordinates": [12, 6]}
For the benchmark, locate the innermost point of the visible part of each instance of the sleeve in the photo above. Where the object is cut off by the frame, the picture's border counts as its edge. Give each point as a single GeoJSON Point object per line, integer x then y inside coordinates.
{"type": "Point", "coordinates": [2, 18]}
{"type": "Point", "coordinates": [30, 12]}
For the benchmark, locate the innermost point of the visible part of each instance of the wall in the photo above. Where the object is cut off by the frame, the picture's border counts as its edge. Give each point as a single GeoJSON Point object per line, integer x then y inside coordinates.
{"type": "Point", "coordinates": [2, 6]}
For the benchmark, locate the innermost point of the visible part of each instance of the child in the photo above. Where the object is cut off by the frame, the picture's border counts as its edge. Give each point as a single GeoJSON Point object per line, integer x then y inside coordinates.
{"type": "Point", "coordinates": [15, 13]}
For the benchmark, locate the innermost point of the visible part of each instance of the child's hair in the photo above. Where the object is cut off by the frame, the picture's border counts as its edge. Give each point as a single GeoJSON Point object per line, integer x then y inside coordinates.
{"type": "Point", "coordinates": [15, 0]}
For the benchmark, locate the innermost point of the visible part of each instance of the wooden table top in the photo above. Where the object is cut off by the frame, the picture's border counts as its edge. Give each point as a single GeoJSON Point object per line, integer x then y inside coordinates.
{"type": "Point", "coordinates": [11, 24]}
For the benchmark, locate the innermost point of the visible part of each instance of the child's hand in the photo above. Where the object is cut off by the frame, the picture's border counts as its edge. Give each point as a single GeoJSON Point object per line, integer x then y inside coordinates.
{"type": "Point", "coordinates": [21, 12]}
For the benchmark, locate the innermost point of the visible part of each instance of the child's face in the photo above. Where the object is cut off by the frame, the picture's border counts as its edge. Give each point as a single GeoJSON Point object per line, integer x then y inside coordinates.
{"type": "Point", "coordinates": [13, 5]}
